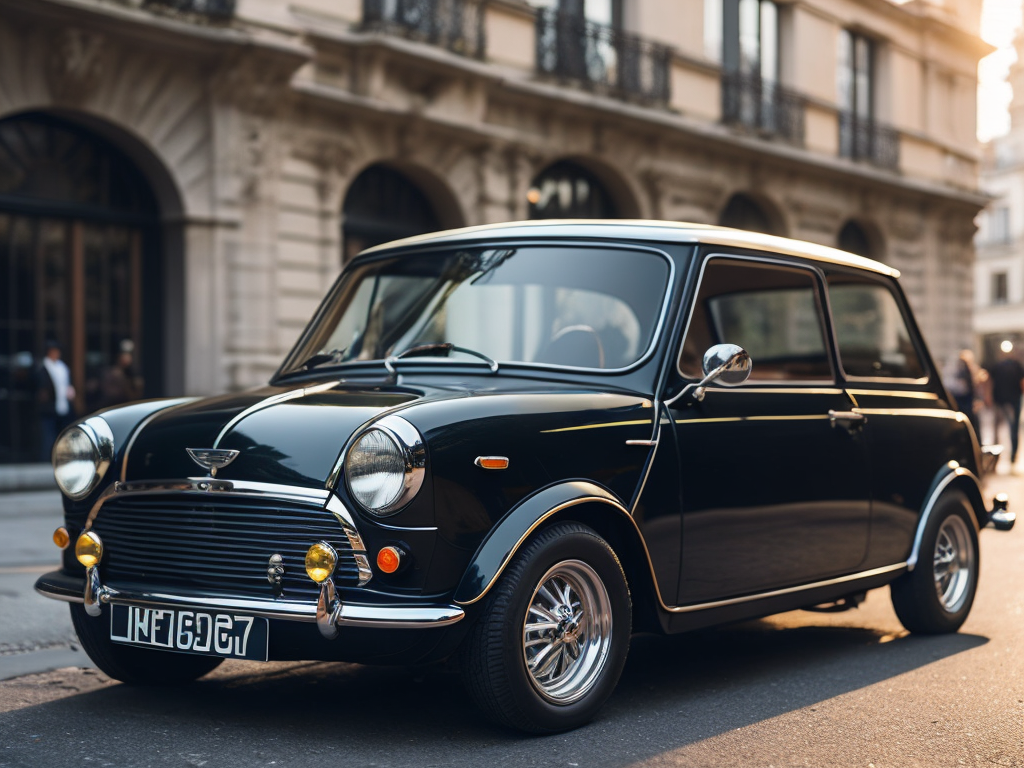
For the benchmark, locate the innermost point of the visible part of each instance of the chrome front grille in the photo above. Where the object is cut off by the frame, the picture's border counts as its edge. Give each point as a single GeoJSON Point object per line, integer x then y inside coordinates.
{"type": "Point", "coordinates": [217, 543]}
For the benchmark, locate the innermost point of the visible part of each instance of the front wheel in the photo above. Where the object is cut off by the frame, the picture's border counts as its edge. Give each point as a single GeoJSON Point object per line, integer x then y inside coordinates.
{"type": "Point", "coordinates": [137, 666]}
{"type": "Point", "coordinates": [553, 636]}
{"type": "Point", "coordinates": [938, 594]}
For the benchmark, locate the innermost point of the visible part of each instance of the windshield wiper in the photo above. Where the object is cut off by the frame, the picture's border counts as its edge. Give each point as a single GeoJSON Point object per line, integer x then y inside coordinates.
{"type": "Point", "coordinates": [436, 350]}
{"type": "Point", "coordinates": [334, 356]}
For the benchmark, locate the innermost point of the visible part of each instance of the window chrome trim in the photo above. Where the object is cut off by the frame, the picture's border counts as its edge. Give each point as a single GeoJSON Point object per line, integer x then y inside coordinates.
{"type": "Point", "coordinates": [909, 324]}
{"type": "Point", "coordinates": [820, 298]}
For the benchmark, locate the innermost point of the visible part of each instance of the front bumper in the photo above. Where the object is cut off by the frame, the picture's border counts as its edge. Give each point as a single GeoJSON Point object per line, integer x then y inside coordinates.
{"type": "Point", "coordinates": [73, 589]}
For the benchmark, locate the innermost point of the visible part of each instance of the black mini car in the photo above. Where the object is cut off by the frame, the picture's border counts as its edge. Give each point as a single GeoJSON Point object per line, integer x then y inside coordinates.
{"type": "Point", "coordinates": [515, 445]}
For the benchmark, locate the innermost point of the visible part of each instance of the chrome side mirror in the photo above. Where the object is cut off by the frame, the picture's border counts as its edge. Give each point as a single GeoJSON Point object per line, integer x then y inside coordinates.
{"type": "Point", "coordinates": [728, 364]}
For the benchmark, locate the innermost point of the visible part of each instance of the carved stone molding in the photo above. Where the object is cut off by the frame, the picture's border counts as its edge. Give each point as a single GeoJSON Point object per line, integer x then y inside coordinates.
{"type": "Point", "coordinates": [75, 65]}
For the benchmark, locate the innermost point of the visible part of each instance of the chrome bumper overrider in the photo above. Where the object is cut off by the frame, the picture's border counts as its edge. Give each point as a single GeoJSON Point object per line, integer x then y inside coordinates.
{"type": "Point", "coordinates": [330, 615]}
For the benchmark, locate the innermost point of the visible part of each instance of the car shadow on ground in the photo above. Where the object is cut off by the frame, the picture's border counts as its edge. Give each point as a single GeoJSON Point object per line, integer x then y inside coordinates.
{"type": "Point", "coordinates": [675, 691]}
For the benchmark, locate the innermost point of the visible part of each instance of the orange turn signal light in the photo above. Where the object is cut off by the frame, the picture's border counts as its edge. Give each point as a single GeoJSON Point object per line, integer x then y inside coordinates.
{"type": "Point", "coordinates": [389, 559]}
{"type": "Point", "coordinates": [61, 538]}
{"type": "Point", "coordinates": [492, 462]}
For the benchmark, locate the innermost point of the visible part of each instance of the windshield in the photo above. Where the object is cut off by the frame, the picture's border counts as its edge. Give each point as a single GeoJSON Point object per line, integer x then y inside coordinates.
{"type": "Point", "coordinates": [559, 305]}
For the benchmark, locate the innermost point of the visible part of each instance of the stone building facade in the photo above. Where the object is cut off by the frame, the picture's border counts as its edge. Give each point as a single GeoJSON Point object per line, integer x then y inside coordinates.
{"type": "Point", "coordinates": [999, 270]}
{"type": "Point", "coordinates": [269, 140]}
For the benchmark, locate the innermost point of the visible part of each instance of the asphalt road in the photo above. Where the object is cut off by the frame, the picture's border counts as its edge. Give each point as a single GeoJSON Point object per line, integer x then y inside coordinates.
{"type": "Point", "coordinates": [798, 689]}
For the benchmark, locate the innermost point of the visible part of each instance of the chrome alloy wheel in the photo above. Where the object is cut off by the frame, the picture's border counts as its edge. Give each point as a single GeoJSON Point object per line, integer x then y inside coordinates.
{"type": "Point", "coordinates": [567, 632]}
{"type": "Point", "coordinates": [953, 563]}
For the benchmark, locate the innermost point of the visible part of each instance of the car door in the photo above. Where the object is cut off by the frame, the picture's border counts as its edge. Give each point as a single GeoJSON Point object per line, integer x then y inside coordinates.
{"type": "Point", "coordinates": [773, 473]}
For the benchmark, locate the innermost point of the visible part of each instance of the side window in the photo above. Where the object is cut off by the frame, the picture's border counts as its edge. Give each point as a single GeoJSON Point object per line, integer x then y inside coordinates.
{"type": "Point", "coordinates": [872, 334]}
{"type": "Point", "coordinates": [771, 311]}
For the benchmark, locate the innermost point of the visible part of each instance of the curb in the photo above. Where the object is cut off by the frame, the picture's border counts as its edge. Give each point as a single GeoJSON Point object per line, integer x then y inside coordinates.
{"type": "Point", "coordinates": [26, 477]}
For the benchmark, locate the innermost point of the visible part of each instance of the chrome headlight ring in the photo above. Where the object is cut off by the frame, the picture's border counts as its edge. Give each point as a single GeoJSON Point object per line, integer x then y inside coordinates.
{"type": "Point", "coordinates": [89, 442]}
{"type": "Point", "coordinates": [408, 457]}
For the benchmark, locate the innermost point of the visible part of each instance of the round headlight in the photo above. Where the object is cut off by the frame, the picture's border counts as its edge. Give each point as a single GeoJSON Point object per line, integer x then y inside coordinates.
{"type": "Point", "coordinates": [81, 456]}
{"type": "Point", "coordinates": [384, 466]}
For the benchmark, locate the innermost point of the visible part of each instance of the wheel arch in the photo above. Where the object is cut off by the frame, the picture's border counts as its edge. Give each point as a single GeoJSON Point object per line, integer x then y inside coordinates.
{"type": "Point", "coordinates": [951, 476]}
{"type": "Point", "coordinates": [577, 501]}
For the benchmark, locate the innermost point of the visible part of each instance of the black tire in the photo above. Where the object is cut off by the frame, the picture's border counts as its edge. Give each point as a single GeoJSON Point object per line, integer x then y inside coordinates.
{"type": "Point", "coordinates": [136, 666]}
{"type": "Point", "coordinates": [494, 654]}
{"type": "Point", "coordinates": [916, 595]}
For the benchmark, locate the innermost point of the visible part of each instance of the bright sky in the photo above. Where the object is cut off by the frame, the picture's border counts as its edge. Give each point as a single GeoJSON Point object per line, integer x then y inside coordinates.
{"type": "Point", "coordinates": [1000, 20]}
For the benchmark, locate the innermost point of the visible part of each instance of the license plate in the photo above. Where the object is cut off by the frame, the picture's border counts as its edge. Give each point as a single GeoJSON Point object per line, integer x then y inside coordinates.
{"type": "Point", "coordinates": [209, 633]}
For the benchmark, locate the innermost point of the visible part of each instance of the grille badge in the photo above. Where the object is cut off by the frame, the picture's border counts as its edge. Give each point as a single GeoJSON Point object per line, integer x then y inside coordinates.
{"type": "Point", "coordinates": [275, 571]}
{"type": "Point", "coordinates": [212, 459]}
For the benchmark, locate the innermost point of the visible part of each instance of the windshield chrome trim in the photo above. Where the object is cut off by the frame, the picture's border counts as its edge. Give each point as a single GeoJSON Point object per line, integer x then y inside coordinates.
{"type": "Point", "coordinates": [666, 302]}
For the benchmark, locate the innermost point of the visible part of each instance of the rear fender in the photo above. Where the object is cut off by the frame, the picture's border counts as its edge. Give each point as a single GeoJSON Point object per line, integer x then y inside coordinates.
{"type": "Point", "coordinates": [951, 476]}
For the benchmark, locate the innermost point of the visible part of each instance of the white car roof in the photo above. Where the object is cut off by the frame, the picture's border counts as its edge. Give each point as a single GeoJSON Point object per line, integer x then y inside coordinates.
{"type": "Point", "coordinates": [628, 229]}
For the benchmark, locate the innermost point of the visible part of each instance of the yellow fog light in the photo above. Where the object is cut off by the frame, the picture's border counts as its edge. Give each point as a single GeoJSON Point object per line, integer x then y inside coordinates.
{"type": "Point", "coordinates": [320, 561]}
{"type": "Point", "coordinates": [89, 549]}
{"type": "Point", "coordinates": [61, 538]}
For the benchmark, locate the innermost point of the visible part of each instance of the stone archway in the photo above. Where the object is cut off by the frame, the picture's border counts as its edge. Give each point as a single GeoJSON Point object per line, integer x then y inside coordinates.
{"type": "Point", "coordinates": [82, 253]}
{"type": "Point", "coordinates": [755, 214]}
{"type": "Point", "coordinates": [862, 238]}
{"type": "Point", "coordinates": [387, 202]}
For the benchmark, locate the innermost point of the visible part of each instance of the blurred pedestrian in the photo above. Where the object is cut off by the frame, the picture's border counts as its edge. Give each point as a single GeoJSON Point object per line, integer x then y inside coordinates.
{"type": "Point", "coordinates": [55, 395]}
{"type": "Point", "coordinates": [121, 382]}
{"type": "Point", "coordinates": [1007, 383]}
{"type": "Point", "coordinates": [960, 377]}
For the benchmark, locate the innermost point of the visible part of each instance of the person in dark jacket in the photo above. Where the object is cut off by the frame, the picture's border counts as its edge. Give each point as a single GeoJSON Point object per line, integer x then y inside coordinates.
{"type": "Point", "coordinates": [55, 395]}
{"type": "Point", "coordinates": [1007, 382]}
{"type": "Point", "coordinates": [121, 383]}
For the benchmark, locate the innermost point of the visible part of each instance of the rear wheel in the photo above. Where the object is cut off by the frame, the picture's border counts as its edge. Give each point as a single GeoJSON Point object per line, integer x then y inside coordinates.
{"type": "Point", "coordinates": [938, 594]}
{"type": "Point", "coordinates": [553, 635]}
{"type": "Point", "coordinates": [137, 666]}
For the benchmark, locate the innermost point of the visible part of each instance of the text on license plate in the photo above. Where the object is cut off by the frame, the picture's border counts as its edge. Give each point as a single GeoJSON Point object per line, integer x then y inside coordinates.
{"type": "Point", "coordinates": [230, 635]}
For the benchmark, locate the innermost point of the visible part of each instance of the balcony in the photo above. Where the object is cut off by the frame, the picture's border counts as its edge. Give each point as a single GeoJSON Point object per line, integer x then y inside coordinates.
{"type": "Point", "coordinates": [863, 139]}
{"type": "Point", "coordinates": [601, 58]}
{"type": "Point", "coordinates": [456, 25]}
{"type": "Point", "coordinates": [217, 10]}
{"type": "Point", "coordinates": [764, 106]}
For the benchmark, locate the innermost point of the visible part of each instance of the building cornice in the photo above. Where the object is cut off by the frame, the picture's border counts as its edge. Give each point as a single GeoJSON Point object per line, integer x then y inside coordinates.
{"type": "Point", "coordinates": [596, 106]}
{"type": "Point", "coordinates": [155, 30]}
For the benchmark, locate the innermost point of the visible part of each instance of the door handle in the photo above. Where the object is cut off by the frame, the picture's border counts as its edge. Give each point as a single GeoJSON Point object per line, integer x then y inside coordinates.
{"type": "Point", "coordinates": [847, 419]}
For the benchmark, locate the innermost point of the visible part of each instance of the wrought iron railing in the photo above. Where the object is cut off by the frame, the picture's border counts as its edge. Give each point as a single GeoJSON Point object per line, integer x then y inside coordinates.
{"type": "Point", "coordinates": [861, 138]}
{"type": "Point", "coordinates": [457, 25]}
{"type": "Point", "coordinates": [212, 9]}
{"type": "Point", "coordinates": [594, 55]}
{"type": "Point", "coordinates": [754, 102]}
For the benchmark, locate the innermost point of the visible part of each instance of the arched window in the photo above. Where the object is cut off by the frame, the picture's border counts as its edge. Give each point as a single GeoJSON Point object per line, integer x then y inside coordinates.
{"type": "Point", "coordinates": [383, 205]}
{"type": "Point", "coordinates": [566, 190]}
{"type": "Point", "coordinates": [743, 212]}
{"type": "Point", "coordinates": [854, 238]}
{"type": "Point", "coordinates": [79, 265]}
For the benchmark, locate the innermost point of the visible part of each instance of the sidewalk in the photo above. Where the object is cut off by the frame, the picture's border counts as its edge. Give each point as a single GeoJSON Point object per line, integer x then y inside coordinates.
{"type": "Point", "coordinates": [26, 477]}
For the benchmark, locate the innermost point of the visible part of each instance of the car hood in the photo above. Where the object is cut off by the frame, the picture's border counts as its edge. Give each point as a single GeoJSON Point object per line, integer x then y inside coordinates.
{"type": "Point", "coordinates": [290, 436]}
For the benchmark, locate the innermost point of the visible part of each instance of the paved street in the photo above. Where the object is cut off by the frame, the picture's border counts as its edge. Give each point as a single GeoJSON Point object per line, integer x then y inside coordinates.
{"type": "Point", "coordinates": [800, 689]}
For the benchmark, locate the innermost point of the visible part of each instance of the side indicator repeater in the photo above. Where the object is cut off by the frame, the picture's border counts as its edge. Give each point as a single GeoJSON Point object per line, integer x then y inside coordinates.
{"type": "Point", "coordinates": [492, 462]}
{"type": "Point", "coordinates": [389, 559]}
